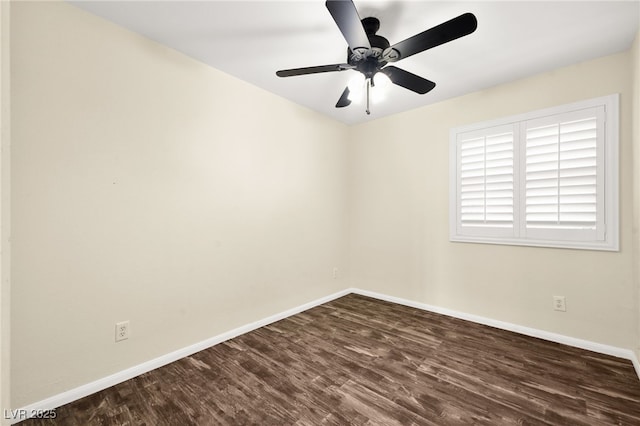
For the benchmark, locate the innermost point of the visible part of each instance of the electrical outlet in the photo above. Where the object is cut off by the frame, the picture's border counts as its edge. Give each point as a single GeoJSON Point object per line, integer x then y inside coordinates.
{"type": "Point", "coordinates": [122, 330]}
{"type": "Point", "coordinates": [559, 303]}
{"type": "Point", "coordinates": [335, 273]}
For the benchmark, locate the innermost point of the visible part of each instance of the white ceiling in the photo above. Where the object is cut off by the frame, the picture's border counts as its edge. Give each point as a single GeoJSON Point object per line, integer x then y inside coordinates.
{"type": "Point", "coordinates": [253, 39]}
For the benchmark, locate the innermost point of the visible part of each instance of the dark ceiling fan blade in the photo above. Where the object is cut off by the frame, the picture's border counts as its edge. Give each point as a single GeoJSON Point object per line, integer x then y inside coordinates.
{"type": "Point", "coordinates": [344, 99]}
{"type": "Point", "coordinates": [313, 70]}
{"type": "Point", "coordinates": [346, 16]}
{"type": "Point", "coordinates": [408, 80]}
{"type": "Point", "coordinates": [447, 31]}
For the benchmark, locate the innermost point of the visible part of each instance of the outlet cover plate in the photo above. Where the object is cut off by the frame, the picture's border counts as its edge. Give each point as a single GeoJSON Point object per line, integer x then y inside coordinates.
{"type": "Point", "coordinates": [559, 303]}
{"type": "Point", "coordinates": [122, 331]}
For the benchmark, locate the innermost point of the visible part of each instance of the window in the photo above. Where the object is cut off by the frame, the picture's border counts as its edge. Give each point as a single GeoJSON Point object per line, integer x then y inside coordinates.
{"type": "Point", "coordinates": [546, 178]}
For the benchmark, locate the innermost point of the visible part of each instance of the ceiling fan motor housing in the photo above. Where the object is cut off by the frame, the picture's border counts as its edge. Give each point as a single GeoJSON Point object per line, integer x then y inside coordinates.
{"type": "Point", "coordinates": [369, 61]}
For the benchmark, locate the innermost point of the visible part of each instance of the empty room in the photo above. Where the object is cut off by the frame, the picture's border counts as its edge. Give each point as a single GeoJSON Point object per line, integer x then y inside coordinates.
{"type": "Point", "coordinates": [320, 212]}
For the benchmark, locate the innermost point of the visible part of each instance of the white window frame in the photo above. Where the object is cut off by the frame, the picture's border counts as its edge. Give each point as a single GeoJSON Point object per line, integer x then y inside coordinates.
{"type": "Point", "coordinates": [607, 226]}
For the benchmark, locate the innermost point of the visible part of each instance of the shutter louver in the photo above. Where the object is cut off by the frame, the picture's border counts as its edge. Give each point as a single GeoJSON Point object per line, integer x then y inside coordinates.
{"type": "Point", "coordinates": [486, 181]}
{"type": "Point", "coordinates": [561, 170]}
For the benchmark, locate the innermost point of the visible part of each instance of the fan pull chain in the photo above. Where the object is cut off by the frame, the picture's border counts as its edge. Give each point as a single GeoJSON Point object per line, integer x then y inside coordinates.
{"type": "Point", "coordinates": [368, 85]}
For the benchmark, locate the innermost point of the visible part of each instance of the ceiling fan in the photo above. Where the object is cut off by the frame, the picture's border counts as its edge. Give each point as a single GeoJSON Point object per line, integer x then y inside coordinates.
{"type": "Point", "coordinates": [369, 53]}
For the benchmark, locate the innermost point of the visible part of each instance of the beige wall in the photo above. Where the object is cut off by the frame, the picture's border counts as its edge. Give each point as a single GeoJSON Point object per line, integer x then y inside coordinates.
{"type": "Point", "coordinates": [5, 136]}
{"type": "Point", "coordinates": [149, 187]}
{"type": "Point", "coordinates": [635, 55]}
{"type": "Point", "coordinates": [399, 214]}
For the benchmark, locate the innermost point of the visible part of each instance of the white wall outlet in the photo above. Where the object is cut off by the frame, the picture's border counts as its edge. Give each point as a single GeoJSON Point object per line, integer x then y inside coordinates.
{"type": "Point", "coordinates": [559, 303]}
{"type": "Point", "coordinates": [335, 273]}
{"type": "Point", "coordinates": [122, 330]}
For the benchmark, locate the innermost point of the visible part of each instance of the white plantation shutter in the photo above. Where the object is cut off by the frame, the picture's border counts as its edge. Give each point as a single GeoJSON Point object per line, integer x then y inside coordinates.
{"type": "Point", "coordinates": [486, 181]}
{"type": "Point", "coordinates": [563, 176]}
{"type": "Point", "coordinates": [545, 178]}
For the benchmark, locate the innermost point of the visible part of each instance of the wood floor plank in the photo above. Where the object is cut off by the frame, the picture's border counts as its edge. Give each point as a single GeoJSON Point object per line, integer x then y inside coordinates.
{"type": "Point", "coordinates": [361, 361]}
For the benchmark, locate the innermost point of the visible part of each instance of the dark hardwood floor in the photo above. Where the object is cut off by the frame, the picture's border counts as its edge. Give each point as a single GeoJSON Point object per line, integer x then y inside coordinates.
{"type": "Point", "coordinates": [361, 361]}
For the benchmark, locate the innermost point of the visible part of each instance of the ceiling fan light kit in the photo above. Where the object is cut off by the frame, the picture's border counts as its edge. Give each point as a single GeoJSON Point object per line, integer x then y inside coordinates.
{"type": "Point", "coordinates": [370, 54]}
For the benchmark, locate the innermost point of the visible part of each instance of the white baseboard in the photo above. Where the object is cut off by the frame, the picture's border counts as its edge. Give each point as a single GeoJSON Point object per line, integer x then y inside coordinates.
{"type": "Point", "coordinates": [124, 375]}
{"type": "Point", "coordinates": [636, 363]}
{"type": "Point", "coordinates": [527, 331]}
{"type": "Point", "coordinates": [106, 382]}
